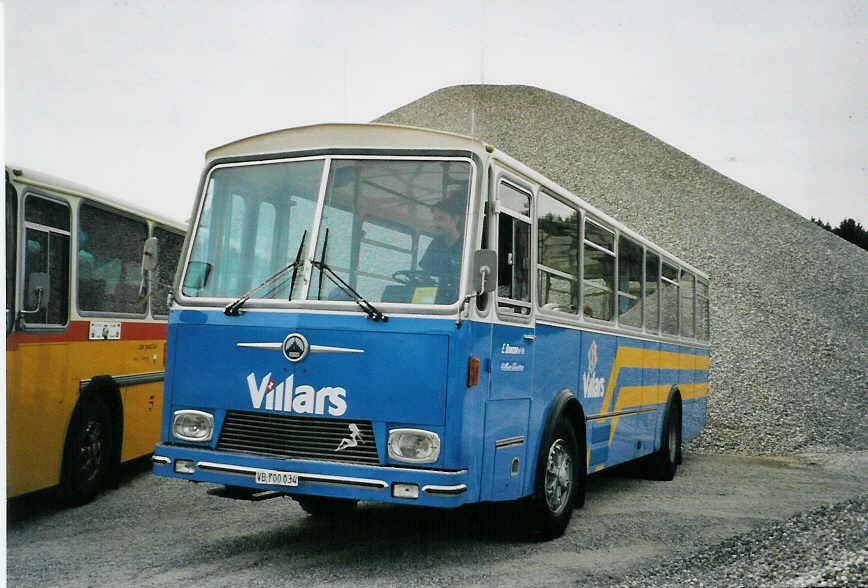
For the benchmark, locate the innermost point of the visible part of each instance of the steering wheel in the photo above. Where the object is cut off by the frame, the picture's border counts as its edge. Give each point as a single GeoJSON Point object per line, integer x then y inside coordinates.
{"type": "Point", "coordinates": [413, 278]}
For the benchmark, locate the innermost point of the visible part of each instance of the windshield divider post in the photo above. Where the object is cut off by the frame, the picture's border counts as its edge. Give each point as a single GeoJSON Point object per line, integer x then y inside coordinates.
{"type": "Point", "coordinates": [325, 246]}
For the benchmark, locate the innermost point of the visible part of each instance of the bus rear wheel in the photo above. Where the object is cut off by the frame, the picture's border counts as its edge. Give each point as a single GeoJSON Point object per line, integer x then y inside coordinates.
{"type": "Point", "coordinates": [87, 453]}
{"type": "Point", "coordinates": [325, 507]}
{"type": "Point", "coordinates": [663, 464]}
{"type": "Point", "coordinates": [557, 486]}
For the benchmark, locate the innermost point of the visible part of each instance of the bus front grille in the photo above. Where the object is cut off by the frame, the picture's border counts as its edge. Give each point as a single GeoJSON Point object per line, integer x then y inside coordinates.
{"type": "Point", "coordinates": [281, 435]}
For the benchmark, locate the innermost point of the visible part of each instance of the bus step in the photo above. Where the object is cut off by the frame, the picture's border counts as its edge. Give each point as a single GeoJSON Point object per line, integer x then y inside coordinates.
{"type": "Point", "coordinates": [241, 493]}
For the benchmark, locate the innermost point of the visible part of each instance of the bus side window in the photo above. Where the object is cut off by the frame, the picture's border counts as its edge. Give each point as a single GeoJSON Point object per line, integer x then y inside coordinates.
{"type": "Point", "coordinates": [557, 261]}
{"type": "Point", "coordinates": [598, 272]}
{"type": "Point", "coordinates": [629, 282]}
{"type": "Point", "coordinates": [652, 292]}
{"type": "Point", "coordinates": [703, 326]}
{"type": "Point", "coordinates": [669, 299]}
{"type": "Point", "coordinates": [686, 305]}
{"type": "Point", "coordinates": [109, 261]}
{"type": "Point", "coordinates": [168, 254]}
{"type": "Point", "coordinates": [513, 251]}
{"type": "Point", "coordinates": [482, 299]}
{"type": "Point", "coordinates": [46, 262]}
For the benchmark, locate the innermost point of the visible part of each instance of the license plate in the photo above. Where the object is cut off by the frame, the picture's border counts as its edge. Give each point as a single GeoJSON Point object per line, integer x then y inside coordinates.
{"type": "Point", "coordinates": [274, 478]}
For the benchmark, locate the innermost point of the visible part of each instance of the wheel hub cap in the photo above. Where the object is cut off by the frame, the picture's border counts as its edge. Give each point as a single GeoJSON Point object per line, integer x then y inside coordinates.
{"type": "Point", "coordinates": [559, 477]}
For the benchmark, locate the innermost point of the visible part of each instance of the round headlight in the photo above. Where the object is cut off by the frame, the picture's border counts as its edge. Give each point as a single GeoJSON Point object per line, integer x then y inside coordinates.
{"type": "Point", "coordinates": [192, 425]}
{"type": "Point", "coordinates": [414, 445]}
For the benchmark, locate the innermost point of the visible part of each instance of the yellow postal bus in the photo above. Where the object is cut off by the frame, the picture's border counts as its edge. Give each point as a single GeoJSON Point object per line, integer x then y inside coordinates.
{"type": "Point", "coordinates": [85, 333]}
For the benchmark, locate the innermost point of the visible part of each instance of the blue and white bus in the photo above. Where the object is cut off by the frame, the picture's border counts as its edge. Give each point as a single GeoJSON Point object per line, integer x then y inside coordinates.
{"type": "Point", "coordinates": [395, 314]}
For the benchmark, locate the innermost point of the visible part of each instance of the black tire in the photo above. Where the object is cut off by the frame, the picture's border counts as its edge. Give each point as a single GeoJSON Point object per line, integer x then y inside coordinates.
{"type": "Point", "coordinates": [87, 453]}
{"type": "Point", "coordinates": [325, 507]}
{"type": "Point", "coordinates": [664, 463]}
{"type": "Point", "coordinates": [560, 484]}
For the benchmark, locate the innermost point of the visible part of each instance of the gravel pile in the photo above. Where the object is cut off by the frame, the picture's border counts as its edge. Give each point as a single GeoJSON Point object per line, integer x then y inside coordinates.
{"type": "Point", "coordinates": [822, 547]}
{"type": "Point", "coordinates": [789, 299]}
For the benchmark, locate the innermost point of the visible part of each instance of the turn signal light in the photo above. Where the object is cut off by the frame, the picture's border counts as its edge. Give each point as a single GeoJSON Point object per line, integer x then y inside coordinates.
{"type": "Point", "coordinates": [472, 372]}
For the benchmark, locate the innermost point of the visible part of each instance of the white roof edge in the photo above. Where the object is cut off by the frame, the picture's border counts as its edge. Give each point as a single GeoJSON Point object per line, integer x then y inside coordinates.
{"type": "Point", "coordinates": [339, 135]}
{"type": "Point", "coordinates": [36, 179]}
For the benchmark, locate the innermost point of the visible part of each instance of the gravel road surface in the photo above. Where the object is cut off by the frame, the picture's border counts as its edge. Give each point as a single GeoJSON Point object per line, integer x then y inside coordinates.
{"type": "Point", "coordinates": [724, 520]}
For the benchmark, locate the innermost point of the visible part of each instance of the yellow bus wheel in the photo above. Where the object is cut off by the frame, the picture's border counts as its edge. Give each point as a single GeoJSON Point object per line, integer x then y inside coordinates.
{"type": "Point", "coordinates": [87, 453]}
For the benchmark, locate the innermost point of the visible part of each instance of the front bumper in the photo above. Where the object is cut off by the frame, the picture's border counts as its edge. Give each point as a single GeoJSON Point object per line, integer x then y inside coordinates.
{"type": "Point", "coordinates": [437, 488]}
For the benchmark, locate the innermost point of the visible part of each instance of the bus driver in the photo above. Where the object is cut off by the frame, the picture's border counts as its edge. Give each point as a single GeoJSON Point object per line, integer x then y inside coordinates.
{"type": "Point", "coordinates": [442, 259]}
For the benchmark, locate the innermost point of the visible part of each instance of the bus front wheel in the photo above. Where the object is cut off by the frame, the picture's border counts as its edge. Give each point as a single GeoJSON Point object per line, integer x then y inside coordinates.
{"type": "Point", "coordinates": [87, 453]}
{"type": "Point", "coordinates": [557, 484]}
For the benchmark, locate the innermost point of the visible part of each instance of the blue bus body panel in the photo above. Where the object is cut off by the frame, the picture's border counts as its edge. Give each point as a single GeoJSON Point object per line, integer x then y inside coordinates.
{"type": "Point", "coordinates": [387, 373]}
{"type": "Point", "coordinates": [412, 372]}
{"type": "Point", "coordinates": [507, 411]}
{"type": "Point", "coordinates": [623, 385]}
{"type": "Point", "coordinates": [696, 406]}
{"type": "Point", "coordinates": [394, 374]}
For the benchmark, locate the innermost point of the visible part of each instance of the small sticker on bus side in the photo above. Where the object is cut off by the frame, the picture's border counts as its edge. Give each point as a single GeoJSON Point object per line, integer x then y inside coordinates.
{"type": "Point", "coordinates": [104, 330]}
{"type": "Point", "coordinates": [511, 366]}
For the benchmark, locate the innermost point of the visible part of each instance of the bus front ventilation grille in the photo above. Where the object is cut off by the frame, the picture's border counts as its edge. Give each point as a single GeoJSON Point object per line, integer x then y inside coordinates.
{"type": "Point", "coordinates": [288, 436]}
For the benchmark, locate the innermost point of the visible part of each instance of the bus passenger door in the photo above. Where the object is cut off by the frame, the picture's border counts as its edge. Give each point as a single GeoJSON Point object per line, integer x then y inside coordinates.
{"type": "Point", "coordinates": [512, 358]}
{"type": "Point", "coordinates": [38, 380]}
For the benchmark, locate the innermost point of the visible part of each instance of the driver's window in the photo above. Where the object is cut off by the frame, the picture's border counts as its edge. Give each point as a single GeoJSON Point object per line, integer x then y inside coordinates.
{"type": "Point", "coordinates": [513, 250]}
{"type": "Point", "coordinates": [46, 262]}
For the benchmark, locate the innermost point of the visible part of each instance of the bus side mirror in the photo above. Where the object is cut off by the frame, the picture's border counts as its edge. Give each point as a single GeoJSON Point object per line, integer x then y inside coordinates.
{"type": "Point", "coordinates": [149, 254]}
{"type": "Point", "coordinates": [484, 271]}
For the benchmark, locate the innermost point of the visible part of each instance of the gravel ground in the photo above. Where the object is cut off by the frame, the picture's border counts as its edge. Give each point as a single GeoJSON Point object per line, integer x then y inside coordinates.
{"type": "Point", "coordinates": [827, 546]}
{"type": "Point", "coordinates": [789, 367]}
{"type": "Point", "coordinates": [723, 521]}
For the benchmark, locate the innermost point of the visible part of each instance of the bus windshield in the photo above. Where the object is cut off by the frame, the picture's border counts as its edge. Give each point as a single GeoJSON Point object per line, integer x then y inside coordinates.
{"type": "Point", "coordinates": [393, 229]}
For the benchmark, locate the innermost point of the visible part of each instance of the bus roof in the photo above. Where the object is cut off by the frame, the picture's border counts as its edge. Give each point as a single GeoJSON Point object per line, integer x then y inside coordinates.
{"type": "Point", "coordinates": [334, 136]}
{"type": "Point", "coordinates": [345, 135]}
{"type": "Point", "coordinates": [30, 177]}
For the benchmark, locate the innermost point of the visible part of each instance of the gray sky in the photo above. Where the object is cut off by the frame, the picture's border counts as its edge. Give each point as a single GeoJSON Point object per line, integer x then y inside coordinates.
{"type": "Point", "coordinates": [126, 96]}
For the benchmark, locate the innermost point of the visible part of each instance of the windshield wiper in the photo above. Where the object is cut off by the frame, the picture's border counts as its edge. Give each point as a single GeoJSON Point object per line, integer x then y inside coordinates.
{"type": "Point", "coordinates": [348, 290]}
{"type": "Point", "coordinates": [232, 309]}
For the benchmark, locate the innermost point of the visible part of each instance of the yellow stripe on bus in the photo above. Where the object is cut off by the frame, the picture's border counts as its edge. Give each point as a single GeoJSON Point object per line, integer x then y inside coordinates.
{"type": "Point", "coordinates": [638, 357]}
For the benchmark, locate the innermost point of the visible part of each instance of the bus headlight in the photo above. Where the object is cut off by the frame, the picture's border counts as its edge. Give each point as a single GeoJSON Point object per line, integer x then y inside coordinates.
{"type": "Point", "coordinates": [192, 425]}
{"type": "Point", "coordinates": [414, 445]}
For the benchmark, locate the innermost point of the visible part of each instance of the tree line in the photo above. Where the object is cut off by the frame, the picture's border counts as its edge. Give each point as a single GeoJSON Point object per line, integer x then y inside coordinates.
{"type": "Point", "coordinates": [848, 230]}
